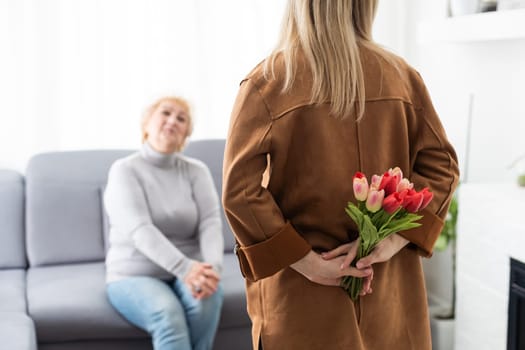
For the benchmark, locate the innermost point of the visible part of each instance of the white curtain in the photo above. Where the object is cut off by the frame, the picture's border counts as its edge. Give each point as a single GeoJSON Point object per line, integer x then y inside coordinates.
{"type": "Point", "coordinates": [77, 74]}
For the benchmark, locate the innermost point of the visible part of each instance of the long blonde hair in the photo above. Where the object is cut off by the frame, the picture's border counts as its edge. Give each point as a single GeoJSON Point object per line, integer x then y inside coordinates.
{"type": "Point", "coordinates": [329, 33]}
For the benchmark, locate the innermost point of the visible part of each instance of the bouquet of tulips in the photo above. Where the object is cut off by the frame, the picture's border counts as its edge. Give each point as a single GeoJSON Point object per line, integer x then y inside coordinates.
{"type": "Point", "coordinates": [385, 206]}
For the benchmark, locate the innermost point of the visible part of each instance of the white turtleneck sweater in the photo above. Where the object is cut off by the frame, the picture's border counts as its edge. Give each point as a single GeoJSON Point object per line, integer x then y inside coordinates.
{"type": "Point", "coordinates": [164, 214]}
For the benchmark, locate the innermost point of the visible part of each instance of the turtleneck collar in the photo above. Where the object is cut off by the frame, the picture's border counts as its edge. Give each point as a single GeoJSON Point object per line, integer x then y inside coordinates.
{"type": "Point", "coordinates": [156, 158]}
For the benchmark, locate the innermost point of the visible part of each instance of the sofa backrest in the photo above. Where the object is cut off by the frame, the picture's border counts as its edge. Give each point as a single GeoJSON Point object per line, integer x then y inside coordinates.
{"type": "Point", "coordinates": [65, 218]}
{"type": "Point", "coordinates": [211, 152]}
{"type": "Point", "coordinates": [64, 213]}
{"type": "Point", "coordinates": [12, 248]}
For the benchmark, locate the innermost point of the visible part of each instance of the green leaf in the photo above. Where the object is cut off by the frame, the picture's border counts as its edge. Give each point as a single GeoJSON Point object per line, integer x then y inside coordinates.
{"type": "Point", "coordinates": [441, 243]}
{"type": "Point", "coordinates": [392, 218]}
{"type": "Point", "coordinates": [448, 233]}
{"type": "Point", "coordinates": [369, 235]}
{"type": "Point", "coordinates": [402, 224]}
{"type": "Point", "coordinates": [407, 226]}
{"type": "Point", "coordinates": [355, 214]}
{"type": "Point", "coordinates": [379, 218]}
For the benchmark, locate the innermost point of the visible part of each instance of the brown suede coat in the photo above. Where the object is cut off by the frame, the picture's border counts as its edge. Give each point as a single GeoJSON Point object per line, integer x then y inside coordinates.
{"type": "Point", "coordinates": [310, 158]}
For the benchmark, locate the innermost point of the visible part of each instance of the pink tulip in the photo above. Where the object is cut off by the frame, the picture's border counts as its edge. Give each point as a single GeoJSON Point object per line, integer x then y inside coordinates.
{"type": "Point", "coordinates": [396, 171]}
{"type": "Point", "coordinates": [375, 182]}
{"type": "Point", "coordinates": [392, 202]}
{"type": "Point", "coordinates": [375, 200]}
{"type": "Point", "coordinates": [404, 184]}
{"type": "Point", "coordinates": [360, 185]}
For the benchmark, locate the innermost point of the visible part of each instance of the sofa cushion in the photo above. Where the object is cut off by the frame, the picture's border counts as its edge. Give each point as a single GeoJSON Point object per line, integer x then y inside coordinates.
{"type": "Point", "coordinates": [69, 303]}
{"type": "Point", "coordinates": [121, 344]}
{"type": "Point", "coordinates": [17, 331]}
{"type": "Point", "coordinates": [64, 206]}
{"type": "Point", "coordinates": [13, 290]}
{"type": "Point", "coordinates": [234, 313]}
{"type": "Point", "coordinates": [73, 298]}
{"type": "Point", "coordinates": [12, 245]}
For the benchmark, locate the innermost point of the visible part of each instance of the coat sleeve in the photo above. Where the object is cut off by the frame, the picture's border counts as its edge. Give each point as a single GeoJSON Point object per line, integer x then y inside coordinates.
{"type": "Point", "coordinates": [434, 165]}
{"type": "Point", "coordinates": [266, 241]}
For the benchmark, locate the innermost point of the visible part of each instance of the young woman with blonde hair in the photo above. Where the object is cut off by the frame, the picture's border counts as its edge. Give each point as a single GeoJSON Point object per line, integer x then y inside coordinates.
{"type": "Point", "coordinates": [326, 103]}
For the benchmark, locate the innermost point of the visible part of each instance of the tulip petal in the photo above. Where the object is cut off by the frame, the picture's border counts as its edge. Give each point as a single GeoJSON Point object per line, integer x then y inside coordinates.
{"type": "Point", "coordinates": [375, 200]}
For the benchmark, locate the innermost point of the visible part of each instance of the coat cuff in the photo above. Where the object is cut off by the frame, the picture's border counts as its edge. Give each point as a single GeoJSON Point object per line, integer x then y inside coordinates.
{"type": "Point", "coordinates": [425, 235]}
{"type": "Point", "coordinates": [265, 258]}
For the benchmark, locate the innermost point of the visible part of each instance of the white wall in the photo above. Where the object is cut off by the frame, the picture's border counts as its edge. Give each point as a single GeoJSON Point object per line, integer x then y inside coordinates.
{"type": "Point", "coordinates": [485, 76]}
{"type": "Point", "coordinates": [492, 73]}
{"type": "Point", "coordinates": [77, 74]}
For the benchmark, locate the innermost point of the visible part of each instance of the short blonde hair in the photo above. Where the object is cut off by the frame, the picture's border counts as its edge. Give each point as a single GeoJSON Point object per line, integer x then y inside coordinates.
{"type": "Point", "coordinates": [175, 99]}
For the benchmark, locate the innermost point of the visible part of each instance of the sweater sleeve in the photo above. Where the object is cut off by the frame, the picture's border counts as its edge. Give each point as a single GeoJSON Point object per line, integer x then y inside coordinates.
{"type": "Point", "coordinates": [129, 215]}
{"type": "Point", "coordinates": [435, 166]}
{"type": "Point", "coordinates": [211, 240]}
{"type": "Point", "coordinates": [267, 242]}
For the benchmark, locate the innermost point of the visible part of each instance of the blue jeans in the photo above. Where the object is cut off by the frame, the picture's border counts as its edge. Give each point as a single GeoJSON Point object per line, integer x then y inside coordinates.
{"type": "Point", "coordinates": [168, 311]}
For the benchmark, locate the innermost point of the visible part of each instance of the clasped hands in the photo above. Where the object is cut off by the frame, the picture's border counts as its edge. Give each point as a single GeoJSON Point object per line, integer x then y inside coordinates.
{"type": "Point", "coordinates": [202, 280]}
{"type": "Point", "coordinates": [330, 267]}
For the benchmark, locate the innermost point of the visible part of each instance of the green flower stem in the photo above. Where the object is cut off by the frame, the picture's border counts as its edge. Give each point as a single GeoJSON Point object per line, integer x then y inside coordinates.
{"type": "Point", "coordinates": [354, 285]}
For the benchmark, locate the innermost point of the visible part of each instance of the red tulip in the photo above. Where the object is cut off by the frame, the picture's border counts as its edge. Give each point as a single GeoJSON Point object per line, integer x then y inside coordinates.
{"type": "Point", "coordinates": [389, 183]}
{"type": "Point", "coordinates": [427, 197]}
{"type": "Point", "coordinates": [405, 194]}
{"type": "Point", "coordinates": [412, 200]}
{"type": "Point", "coordinates": [392, 202]}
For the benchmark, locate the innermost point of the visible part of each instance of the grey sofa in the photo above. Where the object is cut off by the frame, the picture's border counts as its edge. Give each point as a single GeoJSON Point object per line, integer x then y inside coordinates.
{"type": "Point", "coordinates": [53, 239]}
{"type": "Point", "coordinates": [16, 328]}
